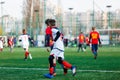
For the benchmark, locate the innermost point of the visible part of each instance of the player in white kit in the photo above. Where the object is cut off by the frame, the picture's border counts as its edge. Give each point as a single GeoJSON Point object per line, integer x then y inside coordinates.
{"type": "Point", "coordinates": [24, 38]}
{"type": "Point", "coordinates": [1, 44]}
{"type": "Point", "coordinates": [57, 52]}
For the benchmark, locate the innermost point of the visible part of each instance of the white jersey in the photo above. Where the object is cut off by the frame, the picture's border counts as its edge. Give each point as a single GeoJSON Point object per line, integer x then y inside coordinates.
{"type": "Point", "coordinates": [24, 40]}
{"type": "Point", "coordinates": [59, 43]}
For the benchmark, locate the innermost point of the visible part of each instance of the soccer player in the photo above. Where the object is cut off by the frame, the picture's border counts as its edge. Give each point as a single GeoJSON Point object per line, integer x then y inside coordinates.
{"type": "Point", "coordinates": [58, 52]}
{"type": "Point", "coordinates": [48, 33]}
{"type": "Point", "coordinates": [24, 38]}
{"type": "Point", "coordinates": [1, 44]}
{"type": "Point", "coordinates": [81, 42]}
{"type": "Point", "coordinates": [10, 43]}
{"type": "Point", "coordinates": [86, 41]}
{"type": "Point", "coordinates": [48, 36]}
{"type": "Point", "coordinates": [49, 41]}
{"type": "Point", "coordinates": [94, 38]}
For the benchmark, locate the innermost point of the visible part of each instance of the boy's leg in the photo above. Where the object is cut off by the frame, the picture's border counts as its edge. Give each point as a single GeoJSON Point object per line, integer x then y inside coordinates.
{"type": "Point", "coordinates": [81, 47]}
{"type": "Point", "coordinates": [10, 48]}
{"type": "Point", "coordinates": [67, 65]}
{"type": "Point", "coordinates": [54, 63]}
{"type": "Point", "coordinates": [64, 69]}
{"type": "Point", "coordinates": [30, 56]}
{"type": "Point", "coordinates": [26, 53]}
{"type": "Point", "coordinates": [94, 47]}
{"type": "Point", "coordinates": [78, 48]}
{"type": "Point", "coordinates": [51, 68]}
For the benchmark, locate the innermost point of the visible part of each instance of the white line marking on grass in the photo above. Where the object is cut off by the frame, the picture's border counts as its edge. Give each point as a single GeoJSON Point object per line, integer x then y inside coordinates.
{"type": "Point", "coordinates": [45, 69]}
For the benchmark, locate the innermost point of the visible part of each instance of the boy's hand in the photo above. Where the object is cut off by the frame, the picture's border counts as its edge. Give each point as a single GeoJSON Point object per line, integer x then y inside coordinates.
{"type": "Point", "coordinates": [48, 50]}
{"type": "Point", "coordinates": [100, 45]}
{"type": "Point", "coordinates": [52, 43]}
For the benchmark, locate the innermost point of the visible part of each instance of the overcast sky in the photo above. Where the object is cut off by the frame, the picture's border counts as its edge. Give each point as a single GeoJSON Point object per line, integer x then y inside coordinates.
{"type": "Point", "coordinates": [84, 5]}
{"type": "Point", "coordinates": [14, 7]}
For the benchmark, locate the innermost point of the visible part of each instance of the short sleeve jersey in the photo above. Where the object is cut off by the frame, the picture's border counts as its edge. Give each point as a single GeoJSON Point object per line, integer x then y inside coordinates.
{"type": "Point", "coordinates": [48, 31]}
{"type": "Point", "coordinates": [59, 43]}
{"type": "Point", "coordinates": [81, 38]}
{"type": "Point", "coordinates": [10, 42]}
{"type": "Point", "coordinates": [25, 39]}
{"type": "Point", "coordinates": [94, 36]}
{"type": "Point", "coordinates": [87, 40]}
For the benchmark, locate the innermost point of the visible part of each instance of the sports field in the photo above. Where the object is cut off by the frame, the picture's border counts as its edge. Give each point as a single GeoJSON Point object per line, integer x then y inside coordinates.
{"type": "Point", "coordinates": [105, 67]}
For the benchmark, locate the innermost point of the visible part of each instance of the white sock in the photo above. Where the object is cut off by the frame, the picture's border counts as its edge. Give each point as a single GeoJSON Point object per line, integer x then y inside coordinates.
{"type": "Point", "coordinates": [30, 56]}
{"type": "Point", "coordinates": [84, 49]}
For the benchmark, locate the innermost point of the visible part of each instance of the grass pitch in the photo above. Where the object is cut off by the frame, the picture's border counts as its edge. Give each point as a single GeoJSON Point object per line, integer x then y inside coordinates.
{"type": "Point", "coordinates": [105, 67]}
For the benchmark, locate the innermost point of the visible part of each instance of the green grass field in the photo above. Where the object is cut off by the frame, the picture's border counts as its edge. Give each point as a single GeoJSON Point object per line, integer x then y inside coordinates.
{"type": "Point", "coordinates": [105, 67]}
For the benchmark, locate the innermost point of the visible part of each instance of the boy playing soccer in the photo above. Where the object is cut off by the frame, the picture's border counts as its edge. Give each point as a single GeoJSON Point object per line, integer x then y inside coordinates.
{"type": "Point", "coordinates": [94, 38]}
{"type": "Point", "coordinates": [81, 42]}
{"type": "Point", "coordinates": [10, 43]}
{"type": "Point", "coordinates": [49, 41]}
{"type": "Point", "coordinates": [1, 44]}
{"type": "Point", "coordinates": [48, 35]}
{"type": "Point", "coordinates": [57, 52]}
{"type": "Point", "coordinates": [24, 38]}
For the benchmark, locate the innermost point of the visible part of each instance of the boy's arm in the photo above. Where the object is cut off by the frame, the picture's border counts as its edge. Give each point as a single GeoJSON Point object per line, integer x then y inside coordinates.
{"type": "Point", "coordinates": [100, 44]}
{"type": "Point", "coordinates": [89, 38]}
{"type": "Point", "coordinates": [99, 40]}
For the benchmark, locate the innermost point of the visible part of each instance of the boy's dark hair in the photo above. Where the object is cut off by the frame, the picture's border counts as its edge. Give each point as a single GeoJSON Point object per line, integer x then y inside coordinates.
{"type": "Point", "coordinates": [24, 31]}
{"type": "Point", "coordinates": [93, 28]}
{"type": "Point", "coordinates": [47, 21]}
{"type": "Point", "coordinates": [52, 22]}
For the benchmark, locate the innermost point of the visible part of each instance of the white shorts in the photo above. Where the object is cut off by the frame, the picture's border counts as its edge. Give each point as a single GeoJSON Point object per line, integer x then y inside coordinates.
{"type": "Point", "coordinates": [26, 46]}
{"type": "Point", "coordinates": [57, 53]}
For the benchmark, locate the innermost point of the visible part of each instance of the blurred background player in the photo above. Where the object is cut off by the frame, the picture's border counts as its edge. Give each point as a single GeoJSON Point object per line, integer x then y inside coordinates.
{"type": "Point", "coordinates": [86, 42]}
{"type": "Point", "coordinates": [81, 42]}
{"type": "Point", "coordinates": [94, 38]}
{"type": "Point", "coordinates": [1, 44]}
{"type": "Point", "coordinates": [57, 52]}
{"type": "Point", "coordinates": [24, 38]}
{"type": "Point", "coordinates": [11, 43]}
